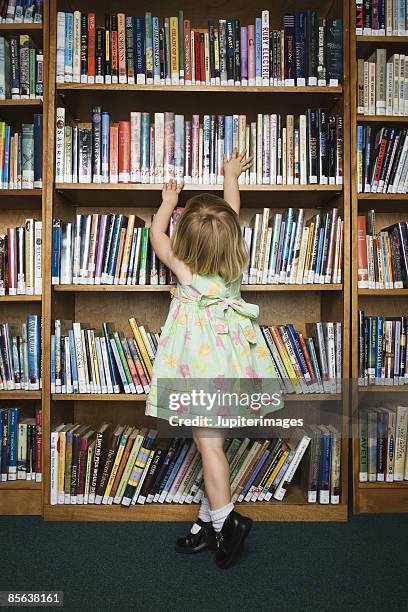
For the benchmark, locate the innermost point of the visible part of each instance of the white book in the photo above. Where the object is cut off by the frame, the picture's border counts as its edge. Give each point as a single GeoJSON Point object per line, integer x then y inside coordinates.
{"type": "Point", "coordinates": [395, 103]}
{"type": "Point", "coordinates": [84, 353]}
{"type": "Point", "coordinates": [265, 47]}
{"type": "Point", "coordinates": [401, 430]}
{"type": "Point", "coordinates": [54, 465]}
{"type": "Point", "coordinates": [401, 101]}
{"type": "Point", "coordinates": [76, 71]}
{"type": "Point", "coordinates": [389, 91]}
{"type": "Point", "coordinates": [76, 261]}
{"type": "Point", "coordinates": [67, 360]}
{"type": "Point", "coordinates": [259, 149]}
{"type": "Point", "coordinates": [80, 357]}
{"type": "Point", "coordinates": [83, 270]}
{"type": "Point", "coordinates": [302, 149]}
{"type": "Point", "coordinates": [59, 145]}
{"type": "Point", "coordinates": [38, 257]}
{"type": "Point", "coordinates": [273, 149]}
{"type": "Point", "coordinates": [60, 62]}
{"type": "Point", "coordinates": [105, 360]}
{"type": "Point", "coordinates": [301, 447]}
{"type": "Point", "coordinates": [392, 420]}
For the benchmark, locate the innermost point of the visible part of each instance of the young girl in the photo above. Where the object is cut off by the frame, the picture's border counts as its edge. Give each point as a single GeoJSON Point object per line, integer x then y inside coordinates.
{"type": "Point", "coordinates": [211, 333]}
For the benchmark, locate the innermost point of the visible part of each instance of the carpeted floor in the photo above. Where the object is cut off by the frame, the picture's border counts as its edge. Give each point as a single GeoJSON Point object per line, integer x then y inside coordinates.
{"type": "Point", "coordinates": [356, 566]}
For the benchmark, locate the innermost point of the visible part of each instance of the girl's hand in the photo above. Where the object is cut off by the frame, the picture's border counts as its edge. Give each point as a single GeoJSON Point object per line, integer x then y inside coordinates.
{"type": "Point", "coordinates": [170, 193]}
{"type": "Point", "coordinates": [238, 163]}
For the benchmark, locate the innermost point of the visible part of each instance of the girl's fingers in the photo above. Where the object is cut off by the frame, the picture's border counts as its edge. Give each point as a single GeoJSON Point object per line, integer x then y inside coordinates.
{"type": "Point", "coordinates": [242, 154]}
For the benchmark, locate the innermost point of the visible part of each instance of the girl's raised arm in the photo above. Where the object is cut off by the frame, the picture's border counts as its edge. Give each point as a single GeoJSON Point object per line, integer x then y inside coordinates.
{"type": "Point", "coordinates": [233, 168]}
{"type": "Point", "coordinates": [158, 237]}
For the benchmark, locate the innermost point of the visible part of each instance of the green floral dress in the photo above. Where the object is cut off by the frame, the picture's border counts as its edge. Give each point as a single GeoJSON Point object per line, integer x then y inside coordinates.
{"type": "Point", "coordinates": [211, 339]}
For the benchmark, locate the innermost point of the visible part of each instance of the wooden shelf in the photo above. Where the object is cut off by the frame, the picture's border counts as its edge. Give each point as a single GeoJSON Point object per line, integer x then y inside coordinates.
{"type": "Point", "coordinates": [20, 199]}
{"type": "Point", "coordinates": [327, 90]}
{"type": "Point", "coordinates": [382, 118]}
{"type": "Point", "coordinates": [167, 288]}
{"type": "Point", "coordinates": [20, 298]}
{"type": "Point", "coordinates": [20, 485]}
{"type": "Point", "coordinates": [378, 292]}
{"type": "Point", "coordinates": [389, 500]}
{"type": "Point", "coordinates": [384, 389]}
{"type": "Point", "coordinates": [30, 102]}
{"type": "Point", "coordinates": [381, 40]}
{"type": "Point", "coordinates": [20, 395]}
{"type": "Point", "coordinates": [403, 484]}
{"type": "Point", "coordinates": [133, 397]}
{"type": "Point", "coordinates": [23, 27]}
{"type": "Point", "coordinates": [383, 196]}
{"type": "Point", "coordinates": [191, 187]}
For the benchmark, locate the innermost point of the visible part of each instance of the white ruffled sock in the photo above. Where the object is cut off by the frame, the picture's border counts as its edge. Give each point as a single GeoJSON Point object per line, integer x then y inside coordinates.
{"type": "Point", "coordinates": [218, 516]}
{"type": "Point", "coordinates": [203, 514]}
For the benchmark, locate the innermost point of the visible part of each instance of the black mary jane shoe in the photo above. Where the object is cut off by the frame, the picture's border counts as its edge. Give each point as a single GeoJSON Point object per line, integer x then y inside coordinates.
{"type": "Point", "coordinates": [231, 538]}
{"type": "Point", "coordinates": [197, 542]}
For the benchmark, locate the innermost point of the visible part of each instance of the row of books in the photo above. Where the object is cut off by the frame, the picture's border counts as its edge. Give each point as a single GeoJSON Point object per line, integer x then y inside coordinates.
{"type": "Point", "coordinates": [20, 355]}
{"type": "Point", "coordinates": [152, 148]}
{"type": "Point", "coordinates": [105, 249]}
{"type": "Point", "coordinates": [306, 50]}
{"type": "Point", "coordinates": [21, 68]}
{"type": "Point", "coordinates": [383, 444]}
{"type": "Point", "coordinates": [84, 361]}
{"type": "Point", "coordinates": [382, 256]}
{"type": "Point", "coordinates": [125, 465]}
{"type": "Point", "coordinates": [382, 350]}
{"type": "Point", "coordinates": [382, 85]}
{"type": "Point", "coordinates": [21, 155]}
{"type": "Point", "coordinates": [21, 260]}
{"type": "Point", "coordinates": [382, 17]}
{"type": "Point", "coordinates": [382, 159]}
{"type": "Point", "coordinates": [21, 11]}
{"type": "Point", "coordinates": [21, 445]}
{"type": "Point", "coordinates": [287, 249]}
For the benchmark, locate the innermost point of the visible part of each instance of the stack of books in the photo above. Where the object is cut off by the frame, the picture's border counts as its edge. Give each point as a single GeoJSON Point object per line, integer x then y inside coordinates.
{"type": "Point", "coordinates": [382, 346]}
{"type": "Point", "coordinates": [383, 444]}
{"type": "Point", "coordinates": [21, 445]}
{"type": "Point", "coordinates": [21, 259]}
{"type": "Point", "coordinates": [382, 159]}
{"type": "Point", "coordinates": [382, 18]}
{"type": "Point", "coordinates": [125, 465]}
{"type": "Point", "coordinates": [21, 68]}
{"type": "Point", "coordinates": [21, 11]}
{"type": "Point", "coordinates": [306, 50]}
{"type": "Point", "coordinates": [382, 256]}
{"type": "Point", "coordinates": [287, 249]}
{"type": "Point", "coordinates": [20, 355]}
{"type": "Point", "coordinates": [152, 148]}
{"type": "Point", "coordinates": [84, 361]}
{"type": "Point", "coordinates": [382, 84]}
{"type": "Point", "coordinates": [21, 155]}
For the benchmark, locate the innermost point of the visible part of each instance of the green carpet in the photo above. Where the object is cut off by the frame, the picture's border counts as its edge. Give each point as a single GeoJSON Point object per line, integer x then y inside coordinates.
{"type": "Point", "coordinates": [356, 566]}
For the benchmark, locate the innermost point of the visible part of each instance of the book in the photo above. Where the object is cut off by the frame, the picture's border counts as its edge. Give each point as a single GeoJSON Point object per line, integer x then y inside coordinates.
{"type": "Point", "coordinates": [20, 445]}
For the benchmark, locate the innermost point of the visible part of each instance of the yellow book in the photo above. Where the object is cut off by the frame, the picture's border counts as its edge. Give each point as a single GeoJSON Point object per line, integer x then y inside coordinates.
{"type": "Point", "coordinates": [129, 466]}
{"type": "Point", "coordinates": [123, 441]}
{"type": "Point", "coordinates": [174, 51]}
{"type": "Point", "coordinates": [126, 250]}
{"type": "Point", "coordinates": [308, 251]}
{"type": "Point", "coordinates": [388, 259]}
{"type": "Point", "coordinates": [62, 438]}
{"type": "Point", "coordinates": [283, 352]}
{"type": "Point", "coordinates": [141, 345]}
{"type": "Point", "coordinates": [277, 468]}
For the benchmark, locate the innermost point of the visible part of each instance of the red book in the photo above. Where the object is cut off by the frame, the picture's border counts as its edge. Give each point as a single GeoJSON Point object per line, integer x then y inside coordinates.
{"type": "Point", "coordinates": [202, 59]}
{"type": "Point", "coordinates": [124, 151]}
{"type": "Point", "coordinates": [197, 57]}
{"type": "Point", "coordinates": [82, 459]}
{"type": "Point", "coordinates": [380, 158]}
{"type": "Point", "coordinates": [187, 52]}
{"type": "Point", "coordinates": [362, 271]}
{"type": "Point", "coordinates": [307, 357]}
{"type": "Point", "coordinates": [91, 46]}
{"type": "Point", "coordinates": [38, 445]}
{"type": "Point", "coordinates": [113, 153]}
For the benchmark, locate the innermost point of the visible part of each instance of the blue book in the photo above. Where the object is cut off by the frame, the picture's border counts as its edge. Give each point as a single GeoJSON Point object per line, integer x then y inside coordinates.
{"type": "Point", "coordinates": [381, 16]}
{"type": "Point", "coordinates": [228, 136]}
{"type": "Point", "coordinates": [12, 443]}
{"type": "Point", "coordinates": [139, 49]}
{"type": "Point", "coordinates": [15, 66]}
{"type": "Point", "coordinates": [3, 447]}
{"type": "Point", "coordinates": [258, 51]}
{"type": "Point", "coordinates": [379, 340]}
{"type": "Point", "coordinates": [286, 242]}
{"type": "Point", "coordinates": [254, 474]}
{"type": "Point", "coordinates": [171, 464]}
{"type": "Point", "coordinates": [294, 338]}
{"type": "Point", "coordinates": [112, 363]}
{"type": "Point", "coordinates": [114, 248]}
{"type": "Point", "coordinates": [300, 48]}
{"type": "Point", "coordinates": [156, 50]}
{"type": "Point", "coordinates": [74, 371]}
{"type": "Point", "coordinates": [149, 47]}
{"type": "Point", "coordinates": [230, 54]}
{"type": "Point", "coordinates": [401, 17]}
{"type": "Point", "coordinates": [105, 148]}
{"type": "Point", "coordinates": [179, 147]}
{"type": "Point", "coordinates": [69, 47]}
{"type": "Point", "coordinates": [235, 131]}
{"type": "Point", "coordinates": [145, 148]}
{"type": "Point", "coordinates": [38, 150]}
{"type": "Point", "coordinates": [175, 469]}
{"type": "Point", "coordinates": [291, 251]}
{"type": "Point", "coordinates": [56, 252]}
{"type": "Point", "coordinates": [52, 363]}
{"type": "Point", "coordinates": [6, 167]}
{"type": "Point", "coordinates": [206, 149]}
{"type": "Point", "coordinates": [34, 351]}
{"type": "Point", "coordinates": [319, 255]}
{"type": "Point", "coordinates": [360, 140]}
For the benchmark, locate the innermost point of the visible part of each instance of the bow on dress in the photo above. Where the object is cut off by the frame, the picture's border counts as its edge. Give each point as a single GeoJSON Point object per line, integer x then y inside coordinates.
{"type": "Point", "coordinates": [220, 305]}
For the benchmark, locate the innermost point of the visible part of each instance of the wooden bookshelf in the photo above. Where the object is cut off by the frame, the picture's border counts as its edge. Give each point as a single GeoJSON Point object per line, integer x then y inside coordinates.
{"type": "Point", "coordinates": [23, 497]}
{"type": "Point", "coordinates": [376, 496]}
{"type": "Point", "coordinates": [83, 303]}
{"type": "Point", "coordinates": [124, 397]}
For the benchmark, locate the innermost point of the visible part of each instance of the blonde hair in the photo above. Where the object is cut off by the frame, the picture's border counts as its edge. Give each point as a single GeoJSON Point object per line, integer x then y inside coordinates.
{"type": "Point", "coordinates": [208, 238]}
